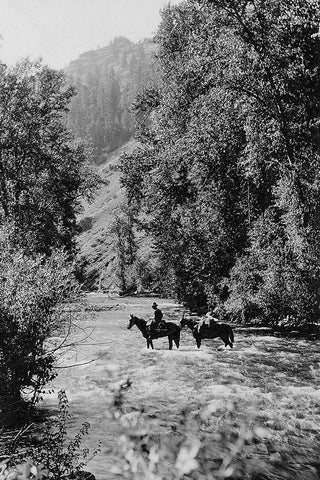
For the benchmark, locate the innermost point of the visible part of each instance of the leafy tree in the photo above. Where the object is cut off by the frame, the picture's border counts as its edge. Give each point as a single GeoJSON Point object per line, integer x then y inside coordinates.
{"type": "Point", "coordinates": [125, 247]}
{"type": "Point", "coordinates": [43, 173]}
{"type": "Point", "coordinates": [187, 164]}
{"type": "Point", "coordinates": [229, 140]}
{"type": "Point", "coordinates": [280, 78]}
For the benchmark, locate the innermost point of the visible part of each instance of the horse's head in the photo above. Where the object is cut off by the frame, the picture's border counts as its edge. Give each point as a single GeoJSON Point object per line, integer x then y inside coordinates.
{"type": "Point", "coordinates": [132, 321]}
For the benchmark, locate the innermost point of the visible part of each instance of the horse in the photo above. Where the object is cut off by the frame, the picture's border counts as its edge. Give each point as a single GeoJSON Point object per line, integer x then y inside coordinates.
{"type": "Point", "coordinates": [170, 330]}
{"type": "Point", "coordinates": [221, 330]}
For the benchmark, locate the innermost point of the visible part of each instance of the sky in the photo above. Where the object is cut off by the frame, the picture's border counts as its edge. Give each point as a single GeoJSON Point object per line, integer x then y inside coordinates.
{"type": "Point", "coordinates": [60, 30]}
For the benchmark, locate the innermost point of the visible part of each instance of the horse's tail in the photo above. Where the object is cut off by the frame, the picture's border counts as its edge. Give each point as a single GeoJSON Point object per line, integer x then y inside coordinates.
{"type": "Point", "coordinates": [231, 335]}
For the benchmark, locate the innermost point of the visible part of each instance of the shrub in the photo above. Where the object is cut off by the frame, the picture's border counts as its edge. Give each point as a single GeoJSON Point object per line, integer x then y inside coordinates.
{"type": "Point", "coordinates": [32, 291]}
{"type": "Point", "coordinates": [206, 443]}
{"type": "Point", "coordinates": [56, 457]}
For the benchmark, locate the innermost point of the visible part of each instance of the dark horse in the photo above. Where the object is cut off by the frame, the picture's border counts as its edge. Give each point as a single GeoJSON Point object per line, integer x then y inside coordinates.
{"type": "Point", "coordinates": [221, 330]}
{"type": "Point", "coordinates": [170, 330]}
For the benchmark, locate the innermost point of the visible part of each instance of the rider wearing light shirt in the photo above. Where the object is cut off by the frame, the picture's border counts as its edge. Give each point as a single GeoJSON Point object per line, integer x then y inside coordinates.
{"type": "Point", "coordinates": [208, 320]}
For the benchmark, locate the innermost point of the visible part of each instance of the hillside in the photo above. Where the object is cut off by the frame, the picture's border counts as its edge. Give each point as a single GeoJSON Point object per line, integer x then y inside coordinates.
{"type": "Point", "coordinates": [107, 81]}
{"type": "Point", "coordinates": [96, 244]}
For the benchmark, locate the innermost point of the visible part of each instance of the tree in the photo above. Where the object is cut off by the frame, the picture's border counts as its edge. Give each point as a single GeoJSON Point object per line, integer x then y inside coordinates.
{"type": "Point", "coordinates": [190, 186]}
{"type": "Point", "coordinates": [43, 173]}
{"type": "Point", "coordinates": [280, 79]}
{"type": "Point", "coordinates": [125, 247]}
{"type": "Point", "coordinates": [230, 139]}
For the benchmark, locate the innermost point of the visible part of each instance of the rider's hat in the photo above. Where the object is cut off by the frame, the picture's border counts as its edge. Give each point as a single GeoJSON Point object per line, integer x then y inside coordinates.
{"type": "Point", "coordinates": [154, 304]}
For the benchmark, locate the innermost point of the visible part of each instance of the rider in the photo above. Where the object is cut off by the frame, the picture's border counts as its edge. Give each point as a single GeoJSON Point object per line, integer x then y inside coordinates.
{"type": "Point", "coordinates": [209, 319]}
{"type": "Point", "coordinates": [157, 322]}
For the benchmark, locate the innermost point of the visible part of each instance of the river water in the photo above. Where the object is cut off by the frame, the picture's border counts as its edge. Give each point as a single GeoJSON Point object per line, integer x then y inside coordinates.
{"type": "Point", "coordinates": [276, 379]}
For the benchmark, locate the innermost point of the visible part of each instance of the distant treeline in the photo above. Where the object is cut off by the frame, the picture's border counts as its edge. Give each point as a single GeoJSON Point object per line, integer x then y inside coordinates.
{"type": "Point", "coordinates": [107, 80]}
{"type": "Point", "coordinates": [226, 176]}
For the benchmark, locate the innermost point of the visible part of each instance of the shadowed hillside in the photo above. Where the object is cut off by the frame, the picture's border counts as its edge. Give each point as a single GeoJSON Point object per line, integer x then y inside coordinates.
{"type": "Point", "coordinates": [96, 244]}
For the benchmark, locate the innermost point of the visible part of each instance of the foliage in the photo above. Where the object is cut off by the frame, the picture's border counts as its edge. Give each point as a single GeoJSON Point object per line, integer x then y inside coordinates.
{"type": "Point", "coordinates": [190, 450]}
{"type": "Point", "coordinates": [272, 282]}
{"type": "Point", "coordinates": [229, 155]}
{"type": "Point", "coordinates": [56, 457]}
{"type": "Point", "coordinates": [185, 193]}
{"type": "Point", "coordinates": [124, 246]}
{"type": "Point", "coordinates": [137, 267]}
{"type": "Point", "coordinates": [32, 293]}
{"type": "Point", "coordinates": [43, 172]}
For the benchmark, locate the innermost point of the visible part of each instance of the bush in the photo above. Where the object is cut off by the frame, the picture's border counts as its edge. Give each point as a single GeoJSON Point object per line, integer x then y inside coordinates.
{"type": "Point", "coordinates": [32, 291]}
{"type": "Point", "coordinates": [56, 457]}
{"type": "Point", "coordinates": [206, 443]}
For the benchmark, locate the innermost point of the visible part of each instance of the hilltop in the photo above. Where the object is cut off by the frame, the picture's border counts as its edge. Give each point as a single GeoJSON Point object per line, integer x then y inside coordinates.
{"type": "Point", "coordinates": [119, 54]}
{"type": "Point", "coordinates": [107, 81]}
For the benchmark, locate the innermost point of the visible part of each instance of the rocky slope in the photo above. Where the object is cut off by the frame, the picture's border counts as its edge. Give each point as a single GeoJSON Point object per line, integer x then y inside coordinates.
{"type": "Point", "coordinates": [96, 243]}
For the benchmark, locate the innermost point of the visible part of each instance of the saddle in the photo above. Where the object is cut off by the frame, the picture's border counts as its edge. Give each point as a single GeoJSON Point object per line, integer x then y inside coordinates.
{"type": "Point", "coordinates": [162, 327]}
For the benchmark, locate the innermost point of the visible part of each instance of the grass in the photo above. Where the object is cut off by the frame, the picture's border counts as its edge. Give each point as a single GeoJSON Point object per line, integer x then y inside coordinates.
{"type": "Point", "coordinates": [266, 382]}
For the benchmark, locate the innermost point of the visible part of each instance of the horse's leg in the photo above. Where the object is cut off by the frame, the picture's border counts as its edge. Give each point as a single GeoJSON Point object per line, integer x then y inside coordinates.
{"type": "Point", "coordinates": [198, 340]}
{"type": "Point", "coordinates": [225, 340]}
{"type": "Point", "coordinates": [151, 343]}
{"type": "Point", "coordinates": [177, 341]}
{"type": "Point", "coordinates": [170, 342]}
{"type": "Point", "coordinates": [231, 338]}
